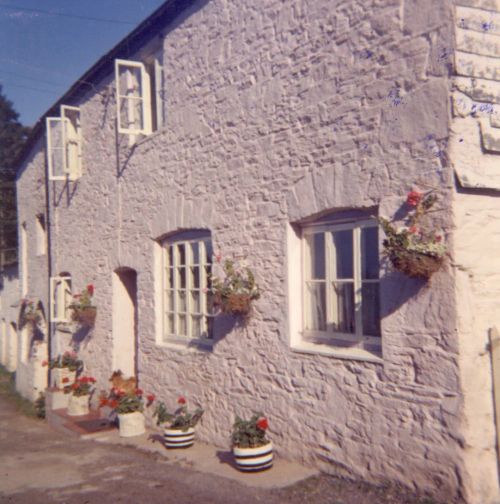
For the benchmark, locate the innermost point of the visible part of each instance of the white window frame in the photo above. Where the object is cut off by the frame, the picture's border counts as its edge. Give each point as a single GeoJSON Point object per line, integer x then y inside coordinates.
{"type": "Point", "coordinates": [71, 135]}
{"type": "Point", "coordinates": [60, 286]}
{"type": "Point", "coordinates": [357, 339]}
{"type": "Point", "coordinates": [144, 98]}
{"type": "Point", "coordinates": [151, 76]}
{"type": "Point", "coordinates": [174, 289]}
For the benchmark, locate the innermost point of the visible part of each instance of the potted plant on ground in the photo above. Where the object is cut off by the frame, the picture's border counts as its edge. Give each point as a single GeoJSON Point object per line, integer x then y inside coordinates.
{"type": "Point", "coordinates": [80, 392]}
{"type": "Point", "coordinates": [129, 406]}
{"type": "Point", "coordinates": [252, 451]}
{"type": "Point", "coordinates": [234, 293]}
{"type": "Point", "coordinates": [64, 369]}
{"type": "Point", "coordinates": [82, 309]}
{"type": "Point", "coordinates": [179, 429]}
{"type": "Point", "coordinates": [414, 250]}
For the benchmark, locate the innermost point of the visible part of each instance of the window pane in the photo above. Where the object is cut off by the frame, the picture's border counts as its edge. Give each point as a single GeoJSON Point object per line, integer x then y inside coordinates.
{"type": "Point", "coordinates": [170, 323]}
{"type": "Point", "coordinates": [343, 265]}
{"type": "Point", "coordinates": [369, 253]}
{"type": "Point", "coordinates": [207, 257]}
{"type": "Point", "coordinates": [209, 321]}
{"type": "Point", "coordinates": [316, 307]}
{"type": "Point", "coordinates": [181, 254]}
{"type": "Point", "coordinates": [181, 325]}
{"type": "Point", "coordinates": [195, 277]}
{"type": "Point", "coordinates": [170, 300]}
{"type": "Point", "coordinates": [195, 327]}
{"type": "Point", "coordinates": [170, 255]}
{"type": "Point", "coordinates": [170, 278]}
{"type": "Point", "coordinates": [370, 300]}
{"type": "Point", "coordinates": [181, 307]}
{"type": "Point", "coordinates": [316, 244]}
{"type": "Point", "coordinates": [343, 307]}
{"type": "Point", "coordinates": [210, 303]}
{"type": "Point", "coordinates": [195, 302]}
{"type": "Point", "coordinates": [181, 277]}
{"type": "Point", "coordinates": [195, 254]}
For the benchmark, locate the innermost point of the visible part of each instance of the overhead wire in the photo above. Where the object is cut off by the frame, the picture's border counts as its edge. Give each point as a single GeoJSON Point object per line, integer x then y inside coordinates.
{"type": "Point", "coordinates": [61, 14]}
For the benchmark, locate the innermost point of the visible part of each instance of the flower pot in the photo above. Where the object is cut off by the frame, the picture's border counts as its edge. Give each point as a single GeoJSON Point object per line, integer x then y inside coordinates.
{"type": "Point", "coordinates": [59, 376]}
{"type": "Point", "coordinates": [78, 405]}
{"type": "Point", "coordinates": [84, 316]}
{"type": "Point", "coordinates": [131, 424]}
{"type": "Point", "coordinates": [415, 264]}
{"type": "Point", "coordinates": [176, 438]}
{"type": "Point", "coordinates": [254, 459]}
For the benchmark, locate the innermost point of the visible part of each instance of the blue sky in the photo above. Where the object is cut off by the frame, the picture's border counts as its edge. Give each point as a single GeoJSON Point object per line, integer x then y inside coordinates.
{"type": "Point", "coordinates": [42, 54]}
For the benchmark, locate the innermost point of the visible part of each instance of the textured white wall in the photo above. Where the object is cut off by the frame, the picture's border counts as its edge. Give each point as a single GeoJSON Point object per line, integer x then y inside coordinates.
{"type": "Point", "coordinates": [274, 115]}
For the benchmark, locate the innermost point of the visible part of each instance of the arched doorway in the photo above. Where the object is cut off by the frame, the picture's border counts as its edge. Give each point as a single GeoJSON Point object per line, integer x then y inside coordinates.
{"type": "Point", "coordinates": [125, 321]}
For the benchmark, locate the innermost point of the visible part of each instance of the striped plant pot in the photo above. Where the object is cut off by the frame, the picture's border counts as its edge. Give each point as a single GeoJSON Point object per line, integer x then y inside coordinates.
{"type": "Point", "coordinates": [254, 459]}
{"type": "Point", "coordinates": [176, 438]}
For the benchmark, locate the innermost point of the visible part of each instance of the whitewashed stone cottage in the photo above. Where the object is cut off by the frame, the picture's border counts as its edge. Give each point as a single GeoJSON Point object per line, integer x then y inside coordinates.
{"type": "Point", "coordinates": [276, 132]}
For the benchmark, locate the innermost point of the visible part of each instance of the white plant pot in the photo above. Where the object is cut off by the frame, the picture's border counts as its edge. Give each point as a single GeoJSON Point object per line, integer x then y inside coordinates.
{"type": "Point", "coordinates": [254, 459]}
{"type": "Point", "coordinates": [131, 424]}
{"type": "Point", "coordinates": [59, 374]}
{"type": "Point", "coordinates": [176, 438]}
{"type": "Point", "coordinates": [78, 405]}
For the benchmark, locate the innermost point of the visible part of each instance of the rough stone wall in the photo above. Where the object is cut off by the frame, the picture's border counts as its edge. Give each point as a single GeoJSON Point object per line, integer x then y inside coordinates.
{"type": "Point", "coordinates": [475, 154]}
{"type": "Point", "coordinates": [276, 114]}
{"type": "Point", "coordinates": [31, 376]}
{"type": "Point", "coordinates": [9, 301]}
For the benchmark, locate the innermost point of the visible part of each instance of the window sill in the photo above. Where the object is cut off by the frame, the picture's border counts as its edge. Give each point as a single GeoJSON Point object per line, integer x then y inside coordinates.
{"type": "Point", "coordinates": [190, 345]}
{"type": "Point", "coordinates": [340, 353]}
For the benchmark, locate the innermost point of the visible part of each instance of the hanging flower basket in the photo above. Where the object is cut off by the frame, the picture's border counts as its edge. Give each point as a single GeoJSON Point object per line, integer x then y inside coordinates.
{"type": "Point", "coordinates": [415, 264]}
{"type": "Point", "coordinates": [234, 304]}
{"type": "Point", "coordinates": [84, 316]}
{"type": "Point", "coordinates": [414, 250]}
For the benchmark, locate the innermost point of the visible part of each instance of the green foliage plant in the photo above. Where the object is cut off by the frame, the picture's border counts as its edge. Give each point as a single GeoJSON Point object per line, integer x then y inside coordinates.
{"type": "Point", "coordinates": [181, 419]}
{"type": "Point", "coordinates": [250, 433]}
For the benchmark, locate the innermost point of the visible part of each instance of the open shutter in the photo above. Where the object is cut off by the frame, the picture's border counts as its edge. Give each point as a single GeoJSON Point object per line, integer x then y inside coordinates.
{"type": "Point", "coordinates": [159, 98]}
{"type": "Point", "coordinates": [132, 97]}
{"type": "Point", "coordinates": [72, 141]}
{"type": "Point", "coordinates": [55, 148]}
{"type": "Point", "coordinates": [60, 298]}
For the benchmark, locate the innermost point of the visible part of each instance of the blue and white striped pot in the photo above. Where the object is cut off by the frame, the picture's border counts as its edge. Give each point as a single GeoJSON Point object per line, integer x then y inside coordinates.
{"type": "Point", "coordinates": [254, 459]}
{"type": "Point", "coordinates": [176, 438]}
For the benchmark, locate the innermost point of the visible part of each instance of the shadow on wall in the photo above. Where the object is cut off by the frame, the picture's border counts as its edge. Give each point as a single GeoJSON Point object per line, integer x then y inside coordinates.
{"type": "Point", "coordinates": [80, 338]}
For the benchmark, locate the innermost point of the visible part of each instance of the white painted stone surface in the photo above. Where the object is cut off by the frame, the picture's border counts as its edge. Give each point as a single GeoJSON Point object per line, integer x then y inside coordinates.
{"type": "Point", "coordinates": [273, 116]}
{"type": "Point", "coordinates": [9, 312]}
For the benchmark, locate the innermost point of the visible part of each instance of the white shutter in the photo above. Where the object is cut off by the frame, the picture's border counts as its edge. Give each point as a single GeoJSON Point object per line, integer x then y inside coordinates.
{"type": "Point", "coordinates": [132, 97]}
{"type": "Point", "coordinates": [159, 93]}
{"type": "Point", "coordinates": [72, 141]}
{"type": "Point", "coordinates": [55, 148]}
{"type": "Point", "coordinates": [60, 298]}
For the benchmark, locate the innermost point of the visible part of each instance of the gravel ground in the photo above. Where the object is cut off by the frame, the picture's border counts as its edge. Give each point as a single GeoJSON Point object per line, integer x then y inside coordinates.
{"type": "Point", "coordinates": [38, 465]}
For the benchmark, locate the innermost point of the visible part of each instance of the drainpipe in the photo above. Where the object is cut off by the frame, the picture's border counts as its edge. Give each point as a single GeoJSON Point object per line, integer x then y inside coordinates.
{"type": "Point", "coordinates": [49, 267]}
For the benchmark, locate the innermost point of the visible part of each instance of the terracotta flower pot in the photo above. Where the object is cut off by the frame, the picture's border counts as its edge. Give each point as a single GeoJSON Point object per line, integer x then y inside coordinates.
{"type": "Point", "coordinates": [254, 459]}
{"type": "Point", "coordinates": [62, 377]}
{"type": "Point", "coordinates": [176, 438]}
{"type": "Point", "coordinates": [78, 405]}
{"type": "Point", "coordinates": [131, 424]}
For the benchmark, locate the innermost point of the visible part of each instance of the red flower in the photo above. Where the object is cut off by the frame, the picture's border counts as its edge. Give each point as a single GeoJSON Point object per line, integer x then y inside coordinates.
{"type": "Point", "coordinates": [90, 289]}
{"type": "Point", "coordinates": [414, 198]}
{"type": "Point", "coordinates": [181, 400]}
{"type": "Point", "coordinates": [103, 402]}
{"type": "Point", "coordinates": [262, 423]}
{"type": "Point", "coordinates": [438, 238]}
{"type": "Point", "coordinates": [65, 380]}
{"type": "Point", "coordinates": [75, 386]}
{"type": "Point", "coordinates": [45, 363]}
{"type": "Point", "coordinates": [113, 403]}
{"type": "Point", "coordinates": [139, 391]}
{"type": "Point", "coordinates": [150, 398]}
{"type": "Point", "coordinates": [413, 229]}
